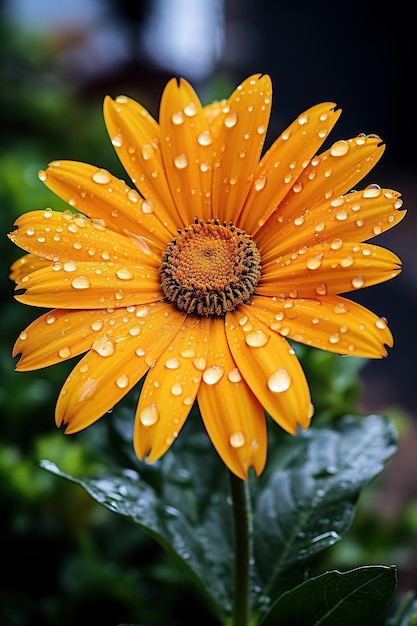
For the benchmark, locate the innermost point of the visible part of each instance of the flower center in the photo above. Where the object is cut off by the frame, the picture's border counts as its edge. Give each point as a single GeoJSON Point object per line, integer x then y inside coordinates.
{"type": "Point", "coordinates": [210, 268]}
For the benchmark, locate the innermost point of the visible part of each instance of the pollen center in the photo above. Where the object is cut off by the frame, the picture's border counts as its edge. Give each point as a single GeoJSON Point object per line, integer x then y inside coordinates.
{"type": "Point", "coordinates": [210, 268]}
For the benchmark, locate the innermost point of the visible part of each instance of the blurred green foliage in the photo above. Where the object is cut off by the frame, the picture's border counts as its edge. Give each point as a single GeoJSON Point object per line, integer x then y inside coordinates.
{"type": "Point", "coordinates": [69, 559]}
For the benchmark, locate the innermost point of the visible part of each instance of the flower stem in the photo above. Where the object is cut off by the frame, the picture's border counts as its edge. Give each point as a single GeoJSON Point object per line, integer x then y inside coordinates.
{"type": "Point", "coordinates": [243, 548]}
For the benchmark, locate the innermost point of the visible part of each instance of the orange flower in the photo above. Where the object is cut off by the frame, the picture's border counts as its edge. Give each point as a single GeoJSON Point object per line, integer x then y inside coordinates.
{"type": "Point", "coordinates": [198, 278]}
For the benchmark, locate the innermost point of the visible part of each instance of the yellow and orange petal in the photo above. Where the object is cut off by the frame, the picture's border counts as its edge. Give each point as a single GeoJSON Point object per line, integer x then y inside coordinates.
{"type": "Point", "coordinates": [199, 168]}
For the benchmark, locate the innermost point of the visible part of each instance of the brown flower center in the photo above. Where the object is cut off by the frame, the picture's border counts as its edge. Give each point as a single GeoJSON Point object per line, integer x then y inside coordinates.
{"type": "Point", "coordinates": [210, 268]}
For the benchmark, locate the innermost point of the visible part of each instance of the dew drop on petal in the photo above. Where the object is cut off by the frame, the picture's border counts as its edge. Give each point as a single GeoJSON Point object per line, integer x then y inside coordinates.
{"type": "Point", "coordinates": [123, 381]}
{"type": "Point", "coordinates": [340, 148]}
{"type": "Point", "coordinates": [200, 363]}
{"type": "Point", "coordinates": [237, 440]}
{"type": "Point", "coordinates": [213, 374]}
{"type": "Point", "coordinates": [172, 363]}
{"type": "Point", "coordinates": [231, 120]}
{"type": "Point", "coordinates": [176, 389]}
{"type": "Point", "coordinates": [234, 375]}
{"type": "Point", "coordinates": [178, 118]}
{"type": "Point", "coordinates": [124, 273]}
{"type": "Point", "coordinates": [181, 161]}
{"type": "Point", "coordinates": [204, 138]}
{"type": "Point", "coordinates": [70, 266]}
{"type": "Point", "coordinates": [148, 152]}
{"type": "Point", "coordinates": [103, 346]}
{"type": "Point", "coordinates": [50, 319]}
{"type": "Point", "coordinates": [314, 263]}
{"type": "Point", "coordinates": [65, 352]}
{"type": "Point", "coordinates": [97, 325]}
{"type": "Point", "coordinates": [81, 282]}
{"type": "Point", "coordinates": [257, 338]}
{"type": "Point", "coordinates": [381, 324]}
{"type": "Point", "coordinates": [102, 177]}
{"type": "Point", "coordinates": [149, 415]}
{"type": "Point", "coordinates": [279, 381]}
{"type": "Point", "coordinates": [191, 109]}
{"type": "Point", "coordinates": [358, 282]}
{"type": "Point", "coordinates": [117, 140]}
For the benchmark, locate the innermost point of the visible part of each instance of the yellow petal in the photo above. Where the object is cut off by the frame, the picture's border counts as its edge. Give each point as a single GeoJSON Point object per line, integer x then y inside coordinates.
{"type": "Point", "coordinates": [114, 365]}
{"type": "Point", "coordinates": [233, 417]}
{"type": "Point", "coordinates": [99, 195]}
{"type": "Point", "coordinates": [243, 126]}
{"type": "Point", "coordinates": [66, 236]}
{"type": "Point", "coordinates": [84, 285]}
{"type": "Point", "coordinates": [332, 323]}
{"type": "Point", "coordinates": [25, 265]}
{"type": "Point", "coordinates": [135, 136]}
{"type": "Point", "coordinates": [170, 389]}
{"type": "Point", "coordinates": [61, 334]}
{"type": "Point", "coordinates": [285, 161]}
{"type": "Point", "coordinates": [187, 150]}
{"type": "Point", "coordinates": [357, 216]}
{"type": "Point", "coordinates": [327, 176]}
{"type": "Point", "coordinates": [327, 269]}
{"type": "Point", "coordinates": [270, 368]}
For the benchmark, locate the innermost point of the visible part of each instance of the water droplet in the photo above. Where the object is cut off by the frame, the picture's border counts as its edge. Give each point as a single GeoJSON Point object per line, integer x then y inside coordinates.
{"type": "Point", "coordinates": [181, 161]}
{"type": "Point", "coordinates": [314, 263]}
{"type": "Point", "coordinates": [188, 354]}
{"type": "Point", "coordinates": [200, 363]}
{"type": "Point", "coordinates": [279, 381]}
{"type": "Point", "coordinates": [342, 215]}
{"type": "Point", "coordinates": [70, 266]}
{"type": "Point", "coordinates": [213, 374]}
{"type": "Point", "coordinates": [257, 338]}
{"type": "Point", "coordinates": [260, 183]}
{"type": "Point", "coordinates": [97, 325]}
{"type": "Point", "coordinates": [123, 381]}
{"type": "Point", "coordinates": [50, 319]}
{"type": "Point", "coordinates": [237, 440]}
{"type": "Point", "coordinates": [335, 338]}
{"type": "Point", "coordinates": [102, 177]}
{"type": "Point", "coordinates": [204, 138]}
{"type": "Point", "coordinates": [176, 389]}
{"type": "Point", "coordinates": [340, 148]}
{"type": "Point", "coordinates": [148, 151]}
{"type": "Point", "coordinates": [135, 331]}
{"type": "Point", "coordinates": [191, 109]}
{"type": "Point", "coordinates": [23, 335]}
{"type": "Point", "coordinates": [81, 282]}
{"type": "Point", "coordinates": [47, 213]}
{"type": "Point", "coordinates": [117, 140]}
{"type": "Point", "coordinates": [103, 346]}
{"type": "Point", "coordinates": [64, 353]}
{"type": "Point", "coordinates": [347, 261]}
{"type": "Point", "coordinates": [358, 282]}
{"type": "Point", "coordinates": [234, 375]}
{"type": "Point", "coordinates": [297, 187]}
{"type": "Point", "coordinates": [372, 191]}
{"type": "Point", "coordinates": [124, 273]}
{"type": "Point", "coordinates": [133, 195]}
{"type": "Point", "coordinates": [149, 415]}
{"type": "Point", "coordinates": [178, 118]}
{"type": "Point", "coordinates": [381, 324]}
{"type": "Point", "coordinates": [30, 231]}
{"type": "Point", "coordinates": [42, 175]}
{"type": "Point", "coordinates": [231, 120]}
{"type": "Point", "coordinates": [172, 363]}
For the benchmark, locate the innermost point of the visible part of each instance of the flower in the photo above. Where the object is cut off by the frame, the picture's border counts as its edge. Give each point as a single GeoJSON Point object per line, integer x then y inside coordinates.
{"type": "Point", "coordinates": [199, 275]}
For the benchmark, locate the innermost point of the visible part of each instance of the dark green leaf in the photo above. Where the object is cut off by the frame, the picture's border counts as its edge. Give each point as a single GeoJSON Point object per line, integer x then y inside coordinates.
{"type": "Point", "coordinates": [359, 596]}
{"type": "Point", "coordinates": [309, 503]}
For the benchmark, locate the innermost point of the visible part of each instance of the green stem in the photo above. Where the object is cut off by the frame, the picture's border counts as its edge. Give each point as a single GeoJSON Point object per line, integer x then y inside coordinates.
{"type": "Point", "coordinates": [243, 550]}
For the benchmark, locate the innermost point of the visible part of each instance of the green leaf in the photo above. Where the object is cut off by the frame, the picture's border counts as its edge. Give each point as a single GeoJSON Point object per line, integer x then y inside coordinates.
{"type": "Point", "coordinates": [309, 503]}
{"type": "Point", "coordinates": [183, 503]}
{"type": "Point", "coordinates": [303, 503]}
{"type": "Point", "coordinates": [336, 599]}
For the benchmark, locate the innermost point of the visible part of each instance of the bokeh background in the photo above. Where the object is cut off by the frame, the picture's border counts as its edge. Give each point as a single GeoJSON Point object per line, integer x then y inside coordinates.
{"type": "Point", "coordinates": [69, 559]}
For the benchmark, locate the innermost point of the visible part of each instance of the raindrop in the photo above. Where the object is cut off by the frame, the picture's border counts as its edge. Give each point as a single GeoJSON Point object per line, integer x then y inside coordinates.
{"type": "Point", "coordinates": [149, 415]}
{"type": "Point", "coordinates": [117, 141]}
{"type": "Point", "coordinates": [65, 353]}
{"type": "Point", "coordinates": [204, 138]}
{"type": "Point", "coordinates": [358, 282]}
{"type": "Point", "coordinates": [148, 152]}
{"type": "Point", "coordinates": [42, 175]}
{"type": "Point", "coordinates": [70, 266]}
{"type": "Point", "coordinates": [50, 319]}
{"type": "Point", "coordinates": [177, 118]}
{"type": "Point", "coordinates": [234, 375]}
{"type": "Point", "coordinates": [103, 346]}
{"type": "Point", "coordinates": [257, 338]}
{"type": "Point", "coordinates": [279, 381]}
{"type": "Point", "coordinates": [200, 363]}
{"type": "Point", "coordinates": [97, 325]}
{"type": "Point", "coordinates": [101, 176]}
{"type": "Point", "coordinates": [260, 183]}
{"type": "Point", "coordinates": [124, 273]}
{"type": "Point", "coordinates": [340, 148]}
{"type": "Point", "coordinates": [81, 282]}
{"type": "Point", "coordinates": [181, 161]}
{"type": "Point", "coordinates": [231, 120]}
{"type": "Point", "coordinates": [237, 440]}
{"type": "Point", "coordinates": [372, 191]}
{"type": "Point", "coordinates": [123, 381]}
{"type": "Point", "coordinates": [172, 363]}
{"type": "Point", "coordinates": [176, 389]}
{"type": "Point", "coordinates": [213, 374]}
{"type": "Point", "coordinates": [191, 109]}
{"type": "Point", "coordinates": [314, 263]}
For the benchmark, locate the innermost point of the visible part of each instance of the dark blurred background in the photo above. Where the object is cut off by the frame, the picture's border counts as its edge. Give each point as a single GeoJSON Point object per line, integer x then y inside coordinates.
{"type": "Point", "coordinates": [57, 61]}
